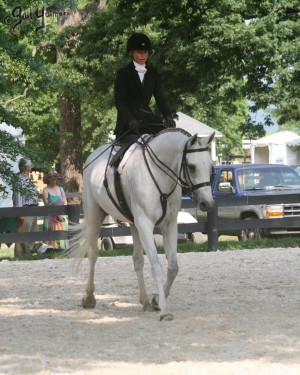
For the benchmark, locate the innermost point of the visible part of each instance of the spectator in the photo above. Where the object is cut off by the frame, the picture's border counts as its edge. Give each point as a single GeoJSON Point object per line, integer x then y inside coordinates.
{"type": "Point", "coordinates": [54, 195]}
{"type": "Point", "coordinates": [25, 223]}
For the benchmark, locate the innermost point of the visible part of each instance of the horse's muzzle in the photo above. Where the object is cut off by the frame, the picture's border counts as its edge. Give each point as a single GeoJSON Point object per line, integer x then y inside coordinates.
{"type": "Point", "coordinates": [206, 206]}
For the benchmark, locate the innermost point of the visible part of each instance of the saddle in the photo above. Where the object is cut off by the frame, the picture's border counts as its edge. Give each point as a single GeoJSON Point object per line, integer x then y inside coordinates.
{"type": "Point", "coordinates": [121, 148]}
{"type": "Point", "coordinates": [117, 157]}
{"type": "Point", "coordinates": [120, 203]}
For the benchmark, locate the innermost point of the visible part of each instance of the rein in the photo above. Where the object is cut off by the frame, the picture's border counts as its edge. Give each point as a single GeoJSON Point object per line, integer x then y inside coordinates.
{"type": "Point", "coordinates": [110, 146]}
{"type": "Point", "coordinates": [163, 197]}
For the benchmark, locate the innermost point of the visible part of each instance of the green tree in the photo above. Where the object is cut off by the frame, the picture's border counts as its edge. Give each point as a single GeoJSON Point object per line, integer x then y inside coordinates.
{"type": "Point", "coordinates": [215, 56]}
{"type": "Point", "coordinates": [17, 72]}
{"type": "Point", "coordinates": [50, 105]}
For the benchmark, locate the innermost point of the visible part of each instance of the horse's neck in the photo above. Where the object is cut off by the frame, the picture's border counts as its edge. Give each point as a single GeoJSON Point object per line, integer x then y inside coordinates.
{"type": "Point", "coordinates": [168, 147]}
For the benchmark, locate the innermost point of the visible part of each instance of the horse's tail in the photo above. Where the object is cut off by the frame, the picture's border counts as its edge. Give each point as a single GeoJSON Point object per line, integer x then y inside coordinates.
{"type": "Point", "coordinates": [78, 243]}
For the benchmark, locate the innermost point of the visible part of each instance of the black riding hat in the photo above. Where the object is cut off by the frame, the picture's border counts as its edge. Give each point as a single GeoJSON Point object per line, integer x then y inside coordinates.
{"type": "Point", "coordinates": [138, 41]}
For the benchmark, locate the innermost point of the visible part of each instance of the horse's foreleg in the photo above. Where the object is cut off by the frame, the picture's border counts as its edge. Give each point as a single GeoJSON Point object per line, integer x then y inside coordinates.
{"type": "Point", "coordinates": [138, 261]}
{"type": "Point", "coordinates": [170, 244]}
{"type": "Point", "coordinates": [145, 230]}
{"type": "Point", "coordinates": [92, 234]}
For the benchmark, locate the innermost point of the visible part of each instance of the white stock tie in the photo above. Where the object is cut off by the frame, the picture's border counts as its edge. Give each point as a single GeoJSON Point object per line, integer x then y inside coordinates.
{"type": "Point", "coordinates": [141, 69]}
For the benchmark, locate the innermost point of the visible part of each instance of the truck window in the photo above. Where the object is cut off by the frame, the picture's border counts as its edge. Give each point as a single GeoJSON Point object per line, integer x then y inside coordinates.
{"type": "Point", "coordinates": [247, 179]}
{"type": "Point", "coordinates": [251, 179]}
{"type": "Point", "coordinates": [290, 178]}
{"type": "Point", "coordinates": [225, 176]}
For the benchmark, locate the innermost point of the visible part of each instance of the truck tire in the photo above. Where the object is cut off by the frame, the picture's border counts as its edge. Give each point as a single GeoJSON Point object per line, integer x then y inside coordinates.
{"type": "Point", "coordinates": [251, 233]}
{"type": "Point", "coordinates": [197, 237]}
{"type": "Point", "coordinates": [107, 244]}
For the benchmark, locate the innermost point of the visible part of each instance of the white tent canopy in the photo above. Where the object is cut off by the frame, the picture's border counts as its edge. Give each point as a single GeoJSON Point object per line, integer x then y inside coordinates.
{"type": "Point", "coordinates": [278, 148]}
{"type": "Point", "coordinates": [193, 126]}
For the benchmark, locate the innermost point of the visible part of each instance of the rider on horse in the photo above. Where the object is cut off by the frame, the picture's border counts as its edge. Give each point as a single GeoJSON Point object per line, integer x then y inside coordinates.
{"type": "Point", "coordinates": [135, 85]}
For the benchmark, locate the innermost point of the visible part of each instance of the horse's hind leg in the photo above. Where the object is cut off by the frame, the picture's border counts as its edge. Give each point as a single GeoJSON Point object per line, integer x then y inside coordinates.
{"type": "Point", "coordinates": [94, 218]}
{"type": "Point", "coordinates": [138, 261]}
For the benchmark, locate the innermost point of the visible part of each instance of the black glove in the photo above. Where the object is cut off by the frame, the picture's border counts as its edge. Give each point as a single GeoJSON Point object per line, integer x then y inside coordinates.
{"type": "Point", "coordinates": [170, 122]}
{"type": "Point", "coordinates": [134, 125]}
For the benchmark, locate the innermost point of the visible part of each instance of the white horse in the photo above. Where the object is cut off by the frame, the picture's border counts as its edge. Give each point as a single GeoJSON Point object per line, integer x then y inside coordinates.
{"type": "Point", "coordinates": [152, 181]}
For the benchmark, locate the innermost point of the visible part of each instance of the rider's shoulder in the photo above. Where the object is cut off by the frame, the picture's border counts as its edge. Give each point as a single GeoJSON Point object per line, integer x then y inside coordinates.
{"type": "Point", "coordinates": [126, 68]}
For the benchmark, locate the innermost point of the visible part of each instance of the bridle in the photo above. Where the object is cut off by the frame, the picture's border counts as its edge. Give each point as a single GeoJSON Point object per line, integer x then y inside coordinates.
{"type": "Point", "coordinates": [185, 181]}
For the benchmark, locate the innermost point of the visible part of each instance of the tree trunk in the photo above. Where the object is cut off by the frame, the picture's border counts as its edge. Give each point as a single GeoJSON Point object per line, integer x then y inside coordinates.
{"type": "Point", "coordinates": [70, 116]}
{"type": "Point", "coordinates": [70, 143]}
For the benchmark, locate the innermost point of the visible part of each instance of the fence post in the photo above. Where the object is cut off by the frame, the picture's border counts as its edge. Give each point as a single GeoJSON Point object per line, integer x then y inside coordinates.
{"type": "Point", "coordinates": [73, 212]}
{"type": "Point", "coordinates": [212, 229]}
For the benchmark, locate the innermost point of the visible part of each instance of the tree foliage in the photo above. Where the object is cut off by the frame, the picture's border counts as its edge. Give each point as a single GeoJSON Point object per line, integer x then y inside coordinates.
{"type": "Point", "coordinates": [215, 56]}
{"type": "Point", "coordinates": [19, 73]}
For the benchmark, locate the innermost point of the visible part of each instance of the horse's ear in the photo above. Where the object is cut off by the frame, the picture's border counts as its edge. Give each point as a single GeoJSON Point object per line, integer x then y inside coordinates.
{"type": "Point", "coordinates": [210, 138]}
{"type": "Point", "coordinates": [207, 139]}
{"type": "Point", "coordinates": [194, 139]}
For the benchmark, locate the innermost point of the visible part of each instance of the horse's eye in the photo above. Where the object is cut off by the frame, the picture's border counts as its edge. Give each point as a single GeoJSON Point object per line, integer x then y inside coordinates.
{"type": "Point", "coordinates": [192, 167]}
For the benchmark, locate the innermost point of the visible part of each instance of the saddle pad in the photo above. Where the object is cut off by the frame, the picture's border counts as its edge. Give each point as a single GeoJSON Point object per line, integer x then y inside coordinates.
{"type": "Point", "coordinates": [130, 150]}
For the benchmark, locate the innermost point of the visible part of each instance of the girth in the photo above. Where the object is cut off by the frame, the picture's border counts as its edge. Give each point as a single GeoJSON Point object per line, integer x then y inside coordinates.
{"type": "Point", "coordinates": [121, 197]}
{"type": "Point", "coordinates": [120, 203]}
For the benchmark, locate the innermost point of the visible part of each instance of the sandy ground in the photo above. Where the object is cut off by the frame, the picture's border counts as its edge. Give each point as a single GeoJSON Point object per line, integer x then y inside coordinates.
{"type": "Point", "coordinates": [235, 313]}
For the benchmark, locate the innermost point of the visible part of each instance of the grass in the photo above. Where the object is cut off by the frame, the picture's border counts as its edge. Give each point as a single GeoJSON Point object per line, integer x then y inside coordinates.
{"type": "Point", "coordinates": [226, 243]}
{"type": "Point", "coordinates": [8, 254]}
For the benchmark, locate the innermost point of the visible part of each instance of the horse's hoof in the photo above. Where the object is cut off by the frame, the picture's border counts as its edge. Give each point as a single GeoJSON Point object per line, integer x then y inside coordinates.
{"type": "Point", "coordinates": [88, 303]}
{"type": "Point", "coordinates": [166, 317]}
{"type": "Point", "coordinates": [154, 303]}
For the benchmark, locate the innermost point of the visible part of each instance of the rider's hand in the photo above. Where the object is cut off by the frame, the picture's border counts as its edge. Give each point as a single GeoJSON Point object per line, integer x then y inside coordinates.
{"type": "Point", "coordinates": [134, 125]}
{"type": "Point", "coordinates": [170, 122]}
